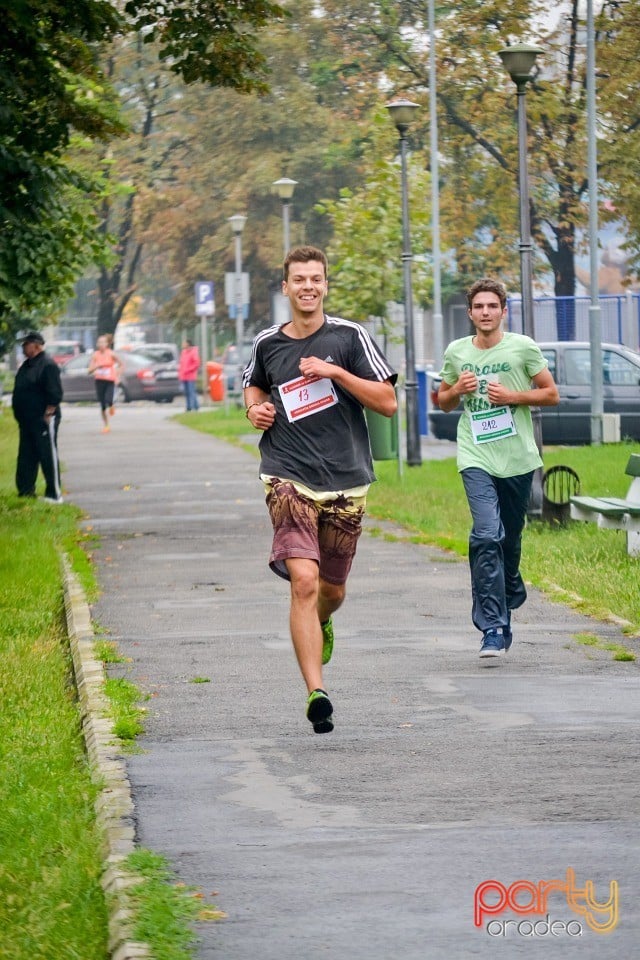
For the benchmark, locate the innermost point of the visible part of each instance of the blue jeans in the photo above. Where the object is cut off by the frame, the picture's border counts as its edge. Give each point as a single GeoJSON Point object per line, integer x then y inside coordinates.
{"type": "Point", "coordinates": [499, 509]}
{"type": "Point", "coordinates": [190, 394]}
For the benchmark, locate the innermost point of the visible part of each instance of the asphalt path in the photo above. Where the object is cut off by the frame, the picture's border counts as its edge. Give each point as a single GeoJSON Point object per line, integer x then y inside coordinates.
{"type": "Point", "coordinates": [442, 772]}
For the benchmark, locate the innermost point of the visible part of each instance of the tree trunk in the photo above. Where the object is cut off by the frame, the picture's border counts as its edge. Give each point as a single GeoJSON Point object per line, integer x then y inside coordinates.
{"type": "Point", "coordinates": [106, 301]}
{"type": "Point", "coordinates": [112, 300]}
{"type": "Point", "coordinates": [564, 273]}
{"type": "Point", "coordinates": [562, 261]}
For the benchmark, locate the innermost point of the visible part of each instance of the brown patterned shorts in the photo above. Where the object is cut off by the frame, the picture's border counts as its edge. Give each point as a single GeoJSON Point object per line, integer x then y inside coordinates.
{"type": "Point", "coordinates": [327, 532]}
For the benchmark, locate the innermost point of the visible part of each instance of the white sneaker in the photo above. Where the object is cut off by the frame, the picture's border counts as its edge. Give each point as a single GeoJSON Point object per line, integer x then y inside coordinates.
{"type": "Point", "coordinates": [53, 500]}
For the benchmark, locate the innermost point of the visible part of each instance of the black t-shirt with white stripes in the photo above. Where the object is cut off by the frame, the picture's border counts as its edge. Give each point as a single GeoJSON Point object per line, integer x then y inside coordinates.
{"type": "Point", "coordinates": [328, 450]}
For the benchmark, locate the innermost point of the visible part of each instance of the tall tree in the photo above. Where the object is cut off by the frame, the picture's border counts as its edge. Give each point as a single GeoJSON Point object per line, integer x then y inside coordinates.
{"type": "Point", "coordinates": [367, 242]}
{"type": "Point", "coordinates": [151, 99]}
{"type": "Point", "coordinates": [618, 70]}
{"type": "Point", "coordinates": [238, 145]}
{"type": "Point", "coordinates": [211, 41]}
{"type": "Point", "coordinates": [477, 133]}
{"type": "Point", "coordinates": [51, 85]}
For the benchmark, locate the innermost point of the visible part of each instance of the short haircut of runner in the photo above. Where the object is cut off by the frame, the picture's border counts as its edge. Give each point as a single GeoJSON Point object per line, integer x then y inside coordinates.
{"type": "Point", "coordinates": [487, 285]}
{"type": "Point", "coordinates": [305, 255]}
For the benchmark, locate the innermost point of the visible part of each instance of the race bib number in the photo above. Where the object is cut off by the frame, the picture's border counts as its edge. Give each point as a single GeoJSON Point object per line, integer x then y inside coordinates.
{"type": "Point", "coordinates": [494, 424]}
{"type": "Point", "coordinates": [305, 396]}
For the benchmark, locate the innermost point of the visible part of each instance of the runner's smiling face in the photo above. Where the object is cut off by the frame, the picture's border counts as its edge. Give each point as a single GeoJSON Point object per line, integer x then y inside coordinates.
{"type": "Point", "coordinates": [306, 287]}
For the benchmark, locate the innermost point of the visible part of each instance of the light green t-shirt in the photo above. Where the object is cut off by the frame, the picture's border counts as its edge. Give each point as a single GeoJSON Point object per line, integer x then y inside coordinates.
{"type": "Point", "coordinates": [514, 362]}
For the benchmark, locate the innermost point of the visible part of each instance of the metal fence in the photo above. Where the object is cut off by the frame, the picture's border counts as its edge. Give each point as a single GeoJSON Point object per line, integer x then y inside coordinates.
{"type": "Point", "coordinates": [567, 318]}
{"type": "Point", "coordinates": [555, 318]}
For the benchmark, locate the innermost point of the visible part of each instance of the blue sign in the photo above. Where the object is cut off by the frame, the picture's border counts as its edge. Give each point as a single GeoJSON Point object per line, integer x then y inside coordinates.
{"type": "Point", "coordinates": [205, 304]}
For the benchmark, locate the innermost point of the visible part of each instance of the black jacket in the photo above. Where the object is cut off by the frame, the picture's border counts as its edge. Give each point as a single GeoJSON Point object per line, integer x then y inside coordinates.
{"type": "Point", "coordinates": [37, 386]}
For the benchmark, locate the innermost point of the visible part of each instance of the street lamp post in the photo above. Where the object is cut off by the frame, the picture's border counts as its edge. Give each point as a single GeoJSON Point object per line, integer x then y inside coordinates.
{"type": "Point", "coordinates": [402, 113]}
{"type": "Point", "coordinates": [284, 188]}
{"type": "Point", "coordinates": [518, 61]}
{"type": "Point", "coordinates": [438, 346]}
{"type": "Point", "coordinates": [595, 315]}
{"type": "Point", "coordinates": [237, 222]}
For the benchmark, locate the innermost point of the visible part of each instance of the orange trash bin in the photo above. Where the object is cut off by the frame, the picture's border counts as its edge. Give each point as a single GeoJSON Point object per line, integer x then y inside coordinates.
{"type": "Point", "coordinates": [216, 380]}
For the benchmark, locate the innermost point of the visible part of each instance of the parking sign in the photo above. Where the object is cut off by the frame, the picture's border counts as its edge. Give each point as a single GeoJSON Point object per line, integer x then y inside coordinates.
{"type": "Point", "coordinates": [205, 305]}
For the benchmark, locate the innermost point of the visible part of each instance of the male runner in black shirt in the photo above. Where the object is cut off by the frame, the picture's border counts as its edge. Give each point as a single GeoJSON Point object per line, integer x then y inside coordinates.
{"type": "Point", "coordinates": [306, 386]}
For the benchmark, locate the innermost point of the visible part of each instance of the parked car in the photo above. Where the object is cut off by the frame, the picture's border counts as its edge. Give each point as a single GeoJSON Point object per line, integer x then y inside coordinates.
{"type": "Point", "coordinates": [160, 352]}
{"type": "Point", "coordinates": [165, 353]}
{"type": "Point", "coordinates": [142, 379]}
{"type": "Point", "coordinates": [570, 422]}
{"type": "Point", "coordinates": [63, 350]}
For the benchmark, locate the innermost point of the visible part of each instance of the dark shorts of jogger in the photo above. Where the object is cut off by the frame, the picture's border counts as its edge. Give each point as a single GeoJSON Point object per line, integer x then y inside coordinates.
{"type": "Point", "coordinates": [104, 392]}
{"type": "Point", "coordinates": [326, 531]}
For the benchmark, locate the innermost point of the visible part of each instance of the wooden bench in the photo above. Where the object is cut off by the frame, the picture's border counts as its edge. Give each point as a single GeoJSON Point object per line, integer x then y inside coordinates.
{"type": "Point", "coordinates": [614, 513]}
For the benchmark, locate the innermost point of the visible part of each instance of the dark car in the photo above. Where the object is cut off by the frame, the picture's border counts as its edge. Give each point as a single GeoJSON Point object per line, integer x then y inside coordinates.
{"type": "Point", "coordinates": [142, 379]}
{"type": "Point", "coordinates": [570, 421]}
{"type": "Point", "coordinates": [160, 352]}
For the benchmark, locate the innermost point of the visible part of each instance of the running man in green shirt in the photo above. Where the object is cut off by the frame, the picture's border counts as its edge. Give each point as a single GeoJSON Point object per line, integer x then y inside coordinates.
{"type": "Point", "coordinates": [498, 376]}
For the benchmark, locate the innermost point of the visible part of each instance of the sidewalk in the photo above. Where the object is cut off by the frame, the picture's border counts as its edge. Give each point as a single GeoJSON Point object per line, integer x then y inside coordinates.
{"type": "Point", "coordinates": [441, 772]}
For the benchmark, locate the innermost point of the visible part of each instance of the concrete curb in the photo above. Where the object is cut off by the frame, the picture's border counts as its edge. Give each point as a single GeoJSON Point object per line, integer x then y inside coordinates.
{"type": "Point", "coordinates": [114, 803]}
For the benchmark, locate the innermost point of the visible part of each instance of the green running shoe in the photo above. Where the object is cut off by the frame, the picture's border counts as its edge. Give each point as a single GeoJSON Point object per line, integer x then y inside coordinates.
{"type": "Point", "coordinates": [320, 711]}
{"type": "Point", "coordinates": [327, 640]}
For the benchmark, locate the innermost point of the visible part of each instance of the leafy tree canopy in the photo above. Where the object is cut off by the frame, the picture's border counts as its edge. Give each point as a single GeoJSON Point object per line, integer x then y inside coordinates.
{"type": "Point", "coordinates": [331, 65]}
{"type": "Point", "coordinates": [52, 85]}
{"type": "Point", "coordinates": [476, 106]}
{"type": "Point", "coordinates": [365, 251]}
{"type": "Point", "coordinates": [231, 148]}
{"type": "Point", "coordinates": [208, 40]}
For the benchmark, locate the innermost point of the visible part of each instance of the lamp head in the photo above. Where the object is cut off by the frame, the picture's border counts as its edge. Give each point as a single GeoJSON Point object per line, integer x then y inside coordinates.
{"type": "Point", "coordinates": [402, 112]}
{"type": "Point", "coordinates": [237, 222]}
{"type": "Point", "coordinates": [285, 187]}
{"type": "Point", "coordinates": [518, 61]}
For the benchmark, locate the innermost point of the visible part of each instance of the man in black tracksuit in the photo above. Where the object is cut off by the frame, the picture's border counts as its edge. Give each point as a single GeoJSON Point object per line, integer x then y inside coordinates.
{"type": "Point", "coordinates": [37, 393]}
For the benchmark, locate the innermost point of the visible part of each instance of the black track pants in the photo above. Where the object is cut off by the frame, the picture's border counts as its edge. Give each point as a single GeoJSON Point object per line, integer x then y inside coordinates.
{"type": "Point", "coordinates": [38, 448]}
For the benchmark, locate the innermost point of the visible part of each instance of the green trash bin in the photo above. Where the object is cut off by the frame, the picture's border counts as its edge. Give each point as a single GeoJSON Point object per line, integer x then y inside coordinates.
{"type": "Point", "coordinates": [383, 435]}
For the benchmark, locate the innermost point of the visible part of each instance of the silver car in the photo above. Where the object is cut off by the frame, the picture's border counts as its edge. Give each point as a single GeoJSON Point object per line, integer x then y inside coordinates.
{"type": "Point", "coordinates": [233, 363]}
{"type": "Point", "coordinates": [160, 352]}
{"type": "Point", "coordinates": [570, 422]}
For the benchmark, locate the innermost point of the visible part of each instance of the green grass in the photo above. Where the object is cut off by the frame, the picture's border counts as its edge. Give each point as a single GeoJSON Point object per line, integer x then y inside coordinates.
{"type": "Point", "coordinates": [107, 651]}
{"type": "Point", "coordinates": [164, 909]}
{"type": "Point", "coordinates": [126, 712]}
{"type": "Point", "coordinates": [579, 563]}
{"type": "Point", "coordinates": [618, 650]}
{"type": "Point", "coordinates": [51, 902]}
{"type": "Point", "coordinates": [228, 424]}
